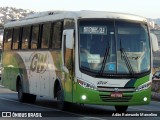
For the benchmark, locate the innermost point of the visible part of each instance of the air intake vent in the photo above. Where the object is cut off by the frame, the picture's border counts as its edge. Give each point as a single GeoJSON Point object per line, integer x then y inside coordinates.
{"type": "Point", "coordinates": [112, 89]}
{"type": "Point", "coordinates": [108, 98]}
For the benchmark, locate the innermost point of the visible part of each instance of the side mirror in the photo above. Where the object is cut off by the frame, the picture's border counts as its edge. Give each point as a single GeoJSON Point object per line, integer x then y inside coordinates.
{"type": "Point", "coordinates": [67, 43]}
{"type": "Point", "coordinates": [69, 38]}
{"type": "Point", "coordinates": [154, 42]}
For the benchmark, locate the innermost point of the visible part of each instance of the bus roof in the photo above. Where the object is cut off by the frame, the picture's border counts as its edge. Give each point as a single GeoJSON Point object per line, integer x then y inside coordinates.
{"type": "Point", "coordinates": [57, 15]}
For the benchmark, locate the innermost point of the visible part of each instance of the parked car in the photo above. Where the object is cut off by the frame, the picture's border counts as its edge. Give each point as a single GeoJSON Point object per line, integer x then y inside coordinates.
{"type": "Point", "coordinates": [156, 76]}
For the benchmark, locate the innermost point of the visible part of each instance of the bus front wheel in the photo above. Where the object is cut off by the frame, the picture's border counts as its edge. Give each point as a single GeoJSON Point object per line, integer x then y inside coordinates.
{"type": "Point", "coordinates": [121, 108]}
{"type": "Point", "coordinates": [63, 105]}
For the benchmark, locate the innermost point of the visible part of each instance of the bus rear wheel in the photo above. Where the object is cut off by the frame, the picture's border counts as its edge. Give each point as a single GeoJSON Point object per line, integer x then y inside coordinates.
{"type": "Point", "coordinates": [25, 97]}
{"type": "Point", "coordinates": [121, 108]}
{"type": "Point", "coordinates": [21, 94]}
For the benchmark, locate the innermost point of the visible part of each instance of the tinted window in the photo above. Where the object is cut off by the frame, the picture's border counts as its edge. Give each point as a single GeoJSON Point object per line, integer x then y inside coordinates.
{"type": "Point", "coordinates": [124, 47]}
{"type": "Point", "coordinates": [57, 35]}
{"type": "Point", "coordinates": [34, 38]}
{"type": "Point", "coordinates": [25, 37]}
{"type": "Point", "coordinates": [15, 38]}
{"type": "Point", "coordinates": [7, 39]}
{"type": "Point", "coordinates": [45, 35]}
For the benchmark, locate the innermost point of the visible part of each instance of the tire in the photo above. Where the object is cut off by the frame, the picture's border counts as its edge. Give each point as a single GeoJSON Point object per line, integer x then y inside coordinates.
{"type": "Point", "coordinates": [60, 99]}
{"type": "Point", "coordinates": [25, 97]}
{"type": "Point", "coordinates": [21, 95]}
{"type": "Point", "coordinates": [121, 109]}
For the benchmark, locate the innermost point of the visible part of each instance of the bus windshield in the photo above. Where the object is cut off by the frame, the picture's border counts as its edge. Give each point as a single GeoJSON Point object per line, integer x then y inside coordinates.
{"type": "Point", "coordinates": [114, 47]}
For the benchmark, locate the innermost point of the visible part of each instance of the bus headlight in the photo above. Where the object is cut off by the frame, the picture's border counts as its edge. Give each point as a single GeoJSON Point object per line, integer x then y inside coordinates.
{"type": "Point", "coordinates": [86, 84]}
{"type": "Point", "coordinates": [84, 97]}
{"type": "Point", "coordinates": [144, 86]}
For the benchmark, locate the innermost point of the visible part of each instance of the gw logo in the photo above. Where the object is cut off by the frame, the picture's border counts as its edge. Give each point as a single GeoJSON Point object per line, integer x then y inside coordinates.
{"type": "Point", "coordinates": [38, 62]}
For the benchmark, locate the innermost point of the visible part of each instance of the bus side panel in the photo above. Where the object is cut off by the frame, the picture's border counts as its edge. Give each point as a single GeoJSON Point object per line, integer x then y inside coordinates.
{"type": "Point", "coordinates": [41, 70]}
{"type": "Point", "coordinates": [66, 79]}
{"type": "Point", "coordinates": [69, 77]}
{"type": "Point", "coordinates": [6, 69]}
{"type": "Point", "coordinates": [6, 77]}
{"type": "Point", "coordinates": [13, 67]}
{"type": "Point", "coordinates": [56, 73]}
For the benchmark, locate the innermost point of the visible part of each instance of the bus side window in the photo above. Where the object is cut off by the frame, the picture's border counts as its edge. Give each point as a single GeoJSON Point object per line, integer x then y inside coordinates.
{"type": "Point", "coordinates": [15, 38]}
{"type": "Point", "coordinates": [46, 35]}
{"type": "Point", "coordinates": [7, 39]}
{"type": "Point", "coordinates": [26, 37]}
{"type": "Point", "coordinates": [34, 37]}
{"type": "Point", "coordinates": [57, 35]}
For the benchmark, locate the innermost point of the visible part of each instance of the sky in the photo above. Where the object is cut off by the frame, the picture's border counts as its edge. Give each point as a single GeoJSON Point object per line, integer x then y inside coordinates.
{"type": "Point", "coordinates": [145, 8]}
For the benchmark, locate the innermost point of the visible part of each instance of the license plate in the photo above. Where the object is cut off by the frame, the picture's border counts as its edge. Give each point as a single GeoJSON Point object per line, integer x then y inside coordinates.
{"type": "Point", "coordinates": [116, 95]}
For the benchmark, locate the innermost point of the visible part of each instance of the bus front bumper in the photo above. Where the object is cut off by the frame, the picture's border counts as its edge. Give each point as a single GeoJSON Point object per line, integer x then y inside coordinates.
{"type": "Point", "coordinates": [89, 96]}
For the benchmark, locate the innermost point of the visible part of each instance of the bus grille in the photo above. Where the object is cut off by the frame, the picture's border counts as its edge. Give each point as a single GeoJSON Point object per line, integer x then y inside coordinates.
{"type": "Point", "coordinates": [108, 98]}
{"type": "Point", "coordinates": [112, 89]}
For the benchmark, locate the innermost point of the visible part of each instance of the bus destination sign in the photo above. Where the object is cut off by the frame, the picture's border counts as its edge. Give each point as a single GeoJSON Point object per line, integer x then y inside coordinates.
{"type": "Point", "coordinates": [94, 30]}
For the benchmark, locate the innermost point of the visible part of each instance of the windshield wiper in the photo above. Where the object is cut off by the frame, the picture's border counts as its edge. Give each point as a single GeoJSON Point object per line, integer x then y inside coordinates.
{"type": "Point", "coordinates": [104, 60]}
{"type": "Point", "coordinates": [125, 57]}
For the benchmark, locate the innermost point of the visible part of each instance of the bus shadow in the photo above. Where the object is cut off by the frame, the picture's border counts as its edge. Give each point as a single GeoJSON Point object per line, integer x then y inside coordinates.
{"type": "Point", "coordinates": [87, 110]}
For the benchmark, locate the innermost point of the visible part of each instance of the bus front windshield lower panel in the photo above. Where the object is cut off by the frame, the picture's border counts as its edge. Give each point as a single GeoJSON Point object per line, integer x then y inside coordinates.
{"type": "Point", "coordinates": [114, 47]}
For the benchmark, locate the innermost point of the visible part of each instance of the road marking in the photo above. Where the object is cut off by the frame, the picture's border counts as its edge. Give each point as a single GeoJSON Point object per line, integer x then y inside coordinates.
{"type": "Point", "coordinates": [156, 102]}
{"type": "Point", "coordinates": [144, 108]}
{"type": "Point", "coordinates": [139, 109]}
{"type": "Point", "coordinates": [28, 104]}
{"type": "Point", "coordinates": [83, 116]}
{"type": "Point", "coordinates": [92, 118]}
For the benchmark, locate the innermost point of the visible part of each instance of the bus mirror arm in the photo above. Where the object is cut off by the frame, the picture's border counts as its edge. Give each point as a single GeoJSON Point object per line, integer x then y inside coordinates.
{"type": "Point", "coordinates": [69, 38]}
{"type": "Point", "coordinates": [67, 43]}
{"type": "Point", "coordinates": [65, 69]}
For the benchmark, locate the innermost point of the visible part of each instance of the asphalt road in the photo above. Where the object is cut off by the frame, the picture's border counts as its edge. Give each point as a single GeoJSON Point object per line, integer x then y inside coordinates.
{"type": "Point", "coordinates": [47, 109]}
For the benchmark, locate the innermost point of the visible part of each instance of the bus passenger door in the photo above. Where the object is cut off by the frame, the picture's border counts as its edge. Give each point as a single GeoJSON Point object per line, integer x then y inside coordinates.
{"type": "Point", "coordinates": [67, 63]}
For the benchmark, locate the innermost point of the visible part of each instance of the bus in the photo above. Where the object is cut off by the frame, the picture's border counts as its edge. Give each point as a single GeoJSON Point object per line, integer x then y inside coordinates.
{"type": "Point", "coordinates": [83, 57]}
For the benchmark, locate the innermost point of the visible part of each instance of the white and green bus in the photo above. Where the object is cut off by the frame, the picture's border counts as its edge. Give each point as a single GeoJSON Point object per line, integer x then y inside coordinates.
{"type": "Point", "coordinates": [85, 57]}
